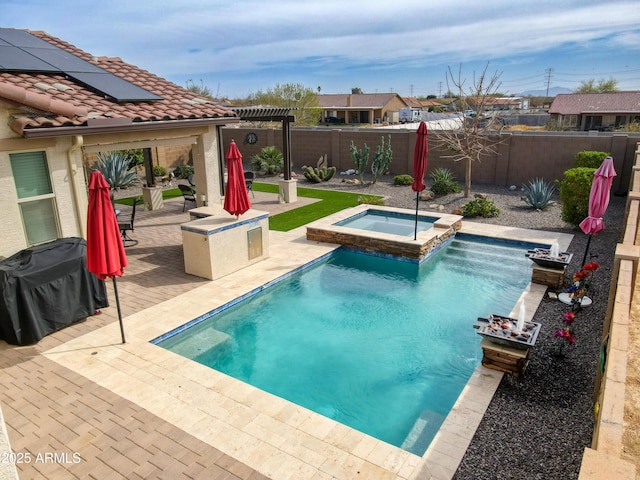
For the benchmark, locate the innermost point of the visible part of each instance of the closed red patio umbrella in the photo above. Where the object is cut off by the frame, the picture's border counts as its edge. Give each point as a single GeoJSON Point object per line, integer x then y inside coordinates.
{"type": "Point", "coordinates": [598, 200]}
{"type": "Point", "coordinates": [419, 166]}
{"type": "Point", "coordinates": [236, 197]}
{"type": "Point", "coordinates": [105, 252]}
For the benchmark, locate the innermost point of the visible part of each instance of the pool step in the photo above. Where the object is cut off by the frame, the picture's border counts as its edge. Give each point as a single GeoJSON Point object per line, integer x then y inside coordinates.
{"type": "Point", "coordinates": [478, 264]}
{"type": "Point", "coordinates": [481, 250]}
{"type": "Point", "coordinates": [199, 343]}
{"type": "Point", "coordinates": [423, 431]}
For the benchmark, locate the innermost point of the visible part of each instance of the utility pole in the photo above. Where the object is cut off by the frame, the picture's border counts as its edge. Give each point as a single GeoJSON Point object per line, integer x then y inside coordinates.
{"type": "Point", "coordinates": [548, 71]}
{"type": "Point", "coordinates": [439, 89]}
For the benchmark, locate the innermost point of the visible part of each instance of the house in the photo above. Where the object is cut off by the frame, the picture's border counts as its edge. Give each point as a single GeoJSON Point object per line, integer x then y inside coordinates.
{"type": "Point", "coordinates": [361, 107]}
{"type": "Point", "coordinates": [595, 111]}
{"type": "Point", "coordinates": [59, 104]}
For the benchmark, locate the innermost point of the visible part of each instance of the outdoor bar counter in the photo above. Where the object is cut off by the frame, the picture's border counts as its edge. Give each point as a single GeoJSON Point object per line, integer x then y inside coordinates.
{"type": "Point", "coordinates": [216, 244]}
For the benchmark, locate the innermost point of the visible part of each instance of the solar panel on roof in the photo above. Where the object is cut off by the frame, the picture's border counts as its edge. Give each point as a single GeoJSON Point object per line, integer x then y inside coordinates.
{"type": "Point", "coordinates": [114, 86]}
{"type": "Point", "coordinates": [62, 60]}
{"type": "Point", "coordinates": [20, 51]}
{"type": "Point", "coordinates": [20, 38]}
{"type": "Point", "coordinates": [13, 58]}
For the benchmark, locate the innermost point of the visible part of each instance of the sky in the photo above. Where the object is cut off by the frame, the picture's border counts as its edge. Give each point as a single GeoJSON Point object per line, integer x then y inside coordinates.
{"type": "Point", "coordinates": [240, 47]}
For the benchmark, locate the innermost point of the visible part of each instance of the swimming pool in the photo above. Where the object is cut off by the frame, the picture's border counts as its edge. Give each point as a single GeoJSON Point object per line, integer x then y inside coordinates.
{"type": "Point", "coordinates": [373, 343]}
{"type": "Point", "coordinates": [388, 222]}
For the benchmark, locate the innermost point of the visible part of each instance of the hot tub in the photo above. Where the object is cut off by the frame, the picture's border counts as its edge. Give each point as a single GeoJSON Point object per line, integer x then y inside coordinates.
{"type": "Point", "coordinates": [386, 231]}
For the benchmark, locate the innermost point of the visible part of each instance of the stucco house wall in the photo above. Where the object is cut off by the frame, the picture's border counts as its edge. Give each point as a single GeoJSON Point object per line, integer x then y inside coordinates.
{"type": "Point", "coordinates": [59, 159]}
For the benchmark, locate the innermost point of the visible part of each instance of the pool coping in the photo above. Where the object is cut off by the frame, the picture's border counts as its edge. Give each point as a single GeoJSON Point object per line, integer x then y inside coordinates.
{"type": "Point", "coordinates": [270, 434]}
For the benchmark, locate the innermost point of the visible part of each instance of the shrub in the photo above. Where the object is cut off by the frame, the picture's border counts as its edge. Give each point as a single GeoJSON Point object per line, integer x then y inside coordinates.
{"type": "Point", "coordinates": [403, 180]}
{"type": "Point", "coordinates": [631, 127]}
{"type": "Point", "coordinates": [574, 194]}
{"type": "Point", "coordinates": [270, 161]}
{"type": "Point", "coordinates": [159, 171]}
{"type": "Point", "coordinates": [370, 200]}
{"type": "Point", "coordinates": [136, 157]}
{"type": "Point", "coordinates": [183, 171]}
{"type": "Point", "coordinates": [590, 159]}
{"type": "Point", "coordinates": [480, 207]}
{"type": "Point", "coordinates": [443, 182]}
{"type": "Point", "coordinates": [538, 193]}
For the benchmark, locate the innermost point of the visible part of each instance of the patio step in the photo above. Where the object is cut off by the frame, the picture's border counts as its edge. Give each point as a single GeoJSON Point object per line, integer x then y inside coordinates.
{"type": "Point", "coordinates": [198, 343]}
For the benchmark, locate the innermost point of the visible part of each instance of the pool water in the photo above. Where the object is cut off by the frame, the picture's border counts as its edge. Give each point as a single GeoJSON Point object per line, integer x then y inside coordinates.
{"type": "Point", "coordinates": [380, 345]}
{"type": "Point", "coordinates": [388, 222]}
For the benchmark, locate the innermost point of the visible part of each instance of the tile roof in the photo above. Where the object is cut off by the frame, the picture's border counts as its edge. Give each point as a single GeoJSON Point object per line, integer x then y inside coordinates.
{"type": "Point", "coordinates": [415, 103]}
{"type": "Point", "coordinates": [358, 100]}
{"type": "Point", "coordinates": [50, 100]}
{"type": "Point", "coordinates": [581, 103]}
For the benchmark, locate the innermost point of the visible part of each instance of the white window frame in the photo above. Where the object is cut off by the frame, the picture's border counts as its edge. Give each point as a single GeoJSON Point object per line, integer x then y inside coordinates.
{"type": "Point", "coordinates": [37, 198]}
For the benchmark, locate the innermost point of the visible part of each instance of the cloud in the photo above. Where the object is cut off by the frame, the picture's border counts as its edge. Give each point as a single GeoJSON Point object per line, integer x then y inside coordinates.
{"type": "Point", "coordinates": [330, 38]}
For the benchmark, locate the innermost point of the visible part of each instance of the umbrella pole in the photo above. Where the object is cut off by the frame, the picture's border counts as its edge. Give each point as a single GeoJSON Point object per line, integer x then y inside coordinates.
{"type": "Point", "coordinates": [584, 259]}
{"type": "Point", "coordinates": [115, 291]}
{"type": "Point", "coordinates": [415, 230]}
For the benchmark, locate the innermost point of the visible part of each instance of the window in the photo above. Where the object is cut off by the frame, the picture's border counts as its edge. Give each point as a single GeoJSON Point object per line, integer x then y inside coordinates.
{"type": "Point", "coordinates": [35, 196]}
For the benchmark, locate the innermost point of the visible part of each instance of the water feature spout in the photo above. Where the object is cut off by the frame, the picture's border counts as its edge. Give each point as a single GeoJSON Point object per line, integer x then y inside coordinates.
{"type": "Point", "coordinates": [520, 322]}
{"type": "Point", "coordinates": [554, 251]}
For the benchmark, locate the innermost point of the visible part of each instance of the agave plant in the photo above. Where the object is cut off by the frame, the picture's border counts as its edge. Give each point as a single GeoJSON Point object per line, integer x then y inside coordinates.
{"type": "Point", "coordinates": [538, 193]}
{"type": "Point", "coordinates": [443, 181]}
{"type": "Point", "coordinates": [115, 168]}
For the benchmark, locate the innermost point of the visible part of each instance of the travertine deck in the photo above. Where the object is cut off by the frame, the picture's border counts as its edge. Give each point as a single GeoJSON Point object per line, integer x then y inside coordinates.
{"type": "Point", "coordinates": [138, 411]}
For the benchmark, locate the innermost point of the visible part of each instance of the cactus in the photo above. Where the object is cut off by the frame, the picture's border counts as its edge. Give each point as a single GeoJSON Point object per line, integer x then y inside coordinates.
{"type": "Point", "coordinates": [317, 175]}
{"type": "Point", "coordinates": [381, 159]}
{"type": "Point", "coordinates": [360, 159]}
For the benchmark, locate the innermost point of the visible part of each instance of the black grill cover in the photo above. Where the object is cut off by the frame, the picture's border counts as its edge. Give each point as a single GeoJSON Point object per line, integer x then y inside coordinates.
{"type": "Point", "coordinates": [46, 288]}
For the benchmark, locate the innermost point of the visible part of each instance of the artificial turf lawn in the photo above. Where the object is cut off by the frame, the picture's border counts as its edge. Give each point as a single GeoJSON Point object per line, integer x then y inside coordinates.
{"type": "Point", "coordinates": [330, 202]}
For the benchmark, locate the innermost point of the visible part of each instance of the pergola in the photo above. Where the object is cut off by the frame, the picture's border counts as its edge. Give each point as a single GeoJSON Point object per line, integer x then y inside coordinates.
{"type": "Point", "coordinates": [273, 114]}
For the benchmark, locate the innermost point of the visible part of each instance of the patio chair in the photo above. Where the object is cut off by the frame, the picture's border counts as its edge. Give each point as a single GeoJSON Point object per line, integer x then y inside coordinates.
{"type": "Point", "coordinates": [125, 223]}
{"type": "Point", "coordinates": [249, 177]}
{"type": "Point", "coordinates": [189, 195]}
{"type": "Point", "coordinates": [191, 180]}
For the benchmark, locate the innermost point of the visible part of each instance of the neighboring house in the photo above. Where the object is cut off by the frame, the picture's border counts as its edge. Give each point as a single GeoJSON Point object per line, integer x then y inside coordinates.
{"type": "Point", "coordinates": [426, 105]}
{"type": "Point", "coordinates": [361, 107]}
{"type": "Point", "coordinates": [59, 103]}
{"type": "Point", "coordinates": [495, 104]}
{"type": "Point", "coordinates": [595, 111]}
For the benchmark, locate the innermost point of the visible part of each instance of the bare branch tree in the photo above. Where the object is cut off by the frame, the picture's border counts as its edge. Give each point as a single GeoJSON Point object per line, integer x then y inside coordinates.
{"type": "Point", "coordinates": [476, 137]}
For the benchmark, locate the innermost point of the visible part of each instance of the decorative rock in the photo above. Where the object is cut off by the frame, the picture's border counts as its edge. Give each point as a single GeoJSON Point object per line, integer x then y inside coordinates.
{"type": "Point", "coordinates": [441, 208]}
{"type": "Point", "coordinates": [427, 195]}
{"type": "Point", "coordinates": [513, 188]}
{"type": "Point", "coordinates": [354, 181]}
{"type": "Point", "coordinates": [456, 211]}
{"type": "Point", "coordinates": [480, 195]}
